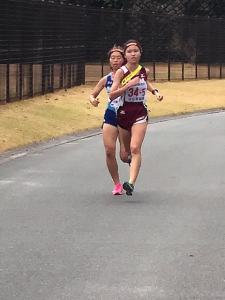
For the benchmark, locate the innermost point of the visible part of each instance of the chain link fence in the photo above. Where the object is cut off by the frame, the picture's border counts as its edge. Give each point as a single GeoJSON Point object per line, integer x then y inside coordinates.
{"type": "Point", "coordinates": [40, 48]}
{"type": "Point", "coordinates": [46, 46]}
{"type": "Point", "coordinates": [174, 47]}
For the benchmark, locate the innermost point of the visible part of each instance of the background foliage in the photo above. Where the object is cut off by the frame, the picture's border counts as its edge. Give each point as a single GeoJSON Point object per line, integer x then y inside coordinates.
{"type": "Point", "coordinates": [210, 8]}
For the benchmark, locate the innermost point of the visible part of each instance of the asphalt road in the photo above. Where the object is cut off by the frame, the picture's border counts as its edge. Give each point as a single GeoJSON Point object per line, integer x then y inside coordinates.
{"type": "Point", "coordinates": [63, 235]}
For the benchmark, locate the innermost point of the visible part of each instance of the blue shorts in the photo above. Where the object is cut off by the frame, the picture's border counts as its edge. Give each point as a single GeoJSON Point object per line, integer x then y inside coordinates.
{"type": "Point", "coordinates": [110, 117]}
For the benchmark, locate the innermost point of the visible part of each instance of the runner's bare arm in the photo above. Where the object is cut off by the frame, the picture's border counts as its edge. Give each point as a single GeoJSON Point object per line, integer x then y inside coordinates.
{"type": "Point", "coordinates": [154, 91]}
{"type": "Point", "coordinates": [117, 91]}
{"type": "Point", "coordinates": [98, 88]}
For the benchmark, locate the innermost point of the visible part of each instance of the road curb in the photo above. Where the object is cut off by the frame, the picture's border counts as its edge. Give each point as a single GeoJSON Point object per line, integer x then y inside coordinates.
{"type": "Point", "coordinates": [24, 150]}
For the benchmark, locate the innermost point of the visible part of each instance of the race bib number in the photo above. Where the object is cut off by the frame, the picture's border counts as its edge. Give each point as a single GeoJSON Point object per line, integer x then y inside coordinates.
{"type": "Point", "coordinates": [136, 94]}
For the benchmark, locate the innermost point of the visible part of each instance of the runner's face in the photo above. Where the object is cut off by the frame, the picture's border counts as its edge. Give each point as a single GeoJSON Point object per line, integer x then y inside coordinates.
{"type": "Point", "coordinates": [133, 54]}
{"type": "Point", "coordinates": [115, 60]}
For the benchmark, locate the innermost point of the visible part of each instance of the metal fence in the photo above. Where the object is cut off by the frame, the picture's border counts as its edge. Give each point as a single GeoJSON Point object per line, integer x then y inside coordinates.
{"type": "Point", "coordinates": [40, 48]}
{"type": "Point", "coordinates": [174, 47]}
{"type": "Point", "coordinates": [46, 46]}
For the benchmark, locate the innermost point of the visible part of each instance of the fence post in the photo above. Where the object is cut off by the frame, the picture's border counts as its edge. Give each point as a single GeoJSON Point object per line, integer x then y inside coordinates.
{"type": "Point", "coordinates": [182, 63]}
{"type": "Point", "coordinates": [43, 85]}
{"type": "Point", "coordinates": [169, 32]}
{"type": "Point", "coordinates": [7, 83]}
{"type": "Point", "coordinates": [52, 75]}
{"type": "Point", "coordinates": [196, 51]}
{"type": "Point", "coordinates": [20, 69]}
{"type": "Point", "coordinates": [69, 76]}
{"type": "Point", "coordinates": [31, 77]}
{"type": "Point", "coordinates": [20, 81]}
{"type": "Point", "coordinates": [102, 42]}
{"type": "Point", "coordinates": [8, 63]}
{"type": "Point", "coordinates": [153, 47]}
{"type": "Point", "coordinates": [208, 45]}
{"type": "Point", "coordinates": [221, 43]}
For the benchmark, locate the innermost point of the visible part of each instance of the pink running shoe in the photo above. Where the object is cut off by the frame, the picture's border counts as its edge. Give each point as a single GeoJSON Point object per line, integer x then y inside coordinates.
{"type": "Point", "coordinates": [118, 189]}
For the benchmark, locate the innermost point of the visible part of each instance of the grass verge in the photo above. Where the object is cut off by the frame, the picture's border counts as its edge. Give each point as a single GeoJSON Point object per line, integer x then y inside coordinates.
{"type": "Point", "coordinates": [66, 112]}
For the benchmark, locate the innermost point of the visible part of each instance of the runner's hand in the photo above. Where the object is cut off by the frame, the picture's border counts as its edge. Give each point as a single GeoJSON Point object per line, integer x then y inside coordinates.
{"type": "Point", "coordinates": [159, 96]}
{"type": "Point", "coordinates": [94, 101]}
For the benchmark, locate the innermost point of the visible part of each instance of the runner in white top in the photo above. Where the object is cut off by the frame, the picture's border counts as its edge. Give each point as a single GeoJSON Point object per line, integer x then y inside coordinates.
{"type": "Point", "coordinates": [131, 84]}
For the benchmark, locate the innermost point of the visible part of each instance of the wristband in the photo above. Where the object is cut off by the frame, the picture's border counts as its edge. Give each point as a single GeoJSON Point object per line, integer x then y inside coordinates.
{"type": "Point", "coordinates": [155, 90]}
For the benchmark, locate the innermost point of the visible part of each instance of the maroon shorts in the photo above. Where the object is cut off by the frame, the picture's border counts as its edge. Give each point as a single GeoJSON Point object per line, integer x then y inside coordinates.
{"type": "Point", "coordinates": [131, 113]}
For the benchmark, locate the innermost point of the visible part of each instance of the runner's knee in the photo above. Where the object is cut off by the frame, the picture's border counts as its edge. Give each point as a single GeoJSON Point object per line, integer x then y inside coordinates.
{"type": "Point", "coordinates": [110, 151]}
{"type": "Point", "coordinates": [135, 150]}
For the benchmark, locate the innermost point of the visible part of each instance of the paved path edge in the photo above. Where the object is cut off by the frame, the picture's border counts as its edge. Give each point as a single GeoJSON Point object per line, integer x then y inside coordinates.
{"type": "Point", "coordinates": [23, 150]}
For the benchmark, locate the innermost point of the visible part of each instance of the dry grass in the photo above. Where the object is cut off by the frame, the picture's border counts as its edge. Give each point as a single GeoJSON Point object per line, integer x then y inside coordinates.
{"type": "Point", "coordinates": [66, 112]}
